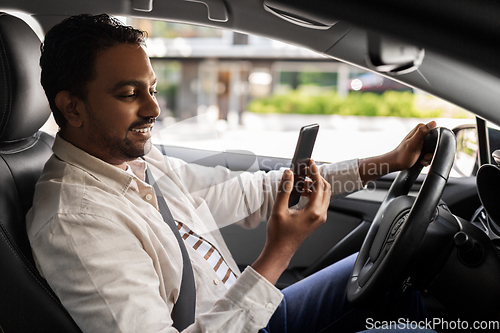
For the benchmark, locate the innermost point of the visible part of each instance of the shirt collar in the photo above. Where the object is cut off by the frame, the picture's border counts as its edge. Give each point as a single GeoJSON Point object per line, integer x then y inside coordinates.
{"type": "Point", "coordinates": [105, 172]}
{"type": "Point", "coordinates": [138, 168]}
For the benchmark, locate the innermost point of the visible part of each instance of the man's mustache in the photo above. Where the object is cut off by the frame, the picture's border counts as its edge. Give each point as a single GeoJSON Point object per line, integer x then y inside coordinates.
{"type": "Point", "coordinates": [144, 121]}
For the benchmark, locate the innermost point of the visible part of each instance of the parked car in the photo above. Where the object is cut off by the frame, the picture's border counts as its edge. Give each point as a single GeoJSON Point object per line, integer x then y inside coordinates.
{"type": "Point", "coordinates": [446, 48]}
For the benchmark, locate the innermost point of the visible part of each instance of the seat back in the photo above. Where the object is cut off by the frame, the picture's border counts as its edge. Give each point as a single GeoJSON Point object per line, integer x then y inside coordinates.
{"type": "Point", "coordinates": [27, 303]}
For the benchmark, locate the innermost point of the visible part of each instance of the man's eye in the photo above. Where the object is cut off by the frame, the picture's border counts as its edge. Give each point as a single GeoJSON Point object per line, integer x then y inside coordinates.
{"type": "Point", "coordinates": [128, 95]}
{"type": "Point", "coordinates": [154, 92]}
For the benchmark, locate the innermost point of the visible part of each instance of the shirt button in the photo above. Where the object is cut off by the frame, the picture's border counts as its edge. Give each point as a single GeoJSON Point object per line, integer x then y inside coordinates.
{"type": "Point", "coordinates": [216, 281]}
{"type": "Point", "coordinates": [269, 306]}
{"type": "Point", "coordinates": [149, 196]}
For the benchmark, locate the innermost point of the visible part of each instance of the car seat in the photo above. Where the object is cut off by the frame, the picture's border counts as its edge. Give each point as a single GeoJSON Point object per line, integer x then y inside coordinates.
{"type": "Point", "coordinates": [27, 303]}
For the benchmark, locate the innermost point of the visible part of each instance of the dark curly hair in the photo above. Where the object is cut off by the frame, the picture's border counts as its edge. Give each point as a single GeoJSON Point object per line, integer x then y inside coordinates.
{"type": "Point", "coordinates": [70, 50]}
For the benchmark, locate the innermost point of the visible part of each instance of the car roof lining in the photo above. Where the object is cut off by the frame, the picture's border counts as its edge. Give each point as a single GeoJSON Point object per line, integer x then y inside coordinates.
{"type": "Point", "coordinates": [460, 63]}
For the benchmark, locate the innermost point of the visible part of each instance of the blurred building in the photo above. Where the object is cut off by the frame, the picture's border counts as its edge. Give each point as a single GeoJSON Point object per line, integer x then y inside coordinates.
{"type": "Point", "coordinates": [202, 68]}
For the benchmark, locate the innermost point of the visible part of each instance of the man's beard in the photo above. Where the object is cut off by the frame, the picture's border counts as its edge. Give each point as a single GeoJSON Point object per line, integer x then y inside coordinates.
{"type": "Point", "coordinates": [120, 148]}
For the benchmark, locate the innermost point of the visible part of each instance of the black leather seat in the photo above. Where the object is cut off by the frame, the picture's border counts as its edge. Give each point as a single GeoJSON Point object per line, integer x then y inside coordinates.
{"type": "Point", "coordinates": [27, 304]}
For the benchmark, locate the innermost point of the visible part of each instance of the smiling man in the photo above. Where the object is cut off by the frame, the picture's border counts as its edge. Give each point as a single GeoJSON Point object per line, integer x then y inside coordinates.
{"type": "Point", "coordinates": [125, 87]}
{"type": "Point", "coordinates": [98, 236]}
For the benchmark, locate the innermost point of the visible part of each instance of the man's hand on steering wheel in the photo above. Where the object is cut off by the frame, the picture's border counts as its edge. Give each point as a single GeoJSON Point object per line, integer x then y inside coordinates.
{"type": "Point", "coordinates": [407, 152]}
{"type": "Point", "coordinates": [404, 156]}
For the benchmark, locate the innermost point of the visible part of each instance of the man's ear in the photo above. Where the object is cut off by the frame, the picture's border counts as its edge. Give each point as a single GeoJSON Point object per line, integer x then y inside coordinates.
{"type": "Point", "coordinates": [70, 106]}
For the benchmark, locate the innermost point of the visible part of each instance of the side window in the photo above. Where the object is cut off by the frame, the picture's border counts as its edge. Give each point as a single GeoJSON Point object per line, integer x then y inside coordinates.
{"type": "Point", "coordinates": [220, 90]}
{"type": "Point", "coordinates": [467, 149]}
{"type": "Point", "coordinates": [466, 159]}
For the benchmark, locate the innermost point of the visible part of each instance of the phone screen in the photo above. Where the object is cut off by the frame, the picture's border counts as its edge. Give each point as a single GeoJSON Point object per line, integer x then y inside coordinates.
{"type": "Point", "coordinates": [303, 152]}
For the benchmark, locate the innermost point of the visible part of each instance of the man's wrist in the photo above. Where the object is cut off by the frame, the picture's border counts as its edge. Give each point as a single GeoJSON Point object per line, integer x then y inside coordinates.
{"type": "Point", "coordinates": [372, 168]}
{"type": "Point", "coordinates": [272, 263]}
{"type": "Point", "coordinates": [392, 160]}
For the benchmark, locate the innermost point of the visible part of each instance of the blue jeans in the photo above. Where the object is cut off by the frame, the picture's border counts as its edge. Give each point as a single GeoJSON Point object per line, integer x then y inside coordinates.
{"type": "Point", "coordinates": [318, 304]}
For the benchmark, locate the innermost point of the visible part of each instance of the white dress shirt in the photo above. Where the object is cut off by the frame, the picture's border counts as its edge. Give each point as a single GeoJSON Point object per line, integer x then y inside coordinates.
{"type": "Point", "coordinates": [99, 240]}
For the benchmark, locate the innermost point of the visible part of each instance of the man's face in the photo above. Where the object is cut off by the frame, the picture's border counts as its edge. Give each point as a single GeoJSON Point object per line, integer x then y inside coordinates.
{"type": "Point", "coordinates": [121, 107]}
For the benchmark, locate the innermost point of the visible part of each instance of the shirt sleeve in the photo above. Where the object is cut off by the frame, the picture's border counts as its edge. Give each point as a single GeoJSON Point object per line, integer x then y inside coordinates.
{"type": "Point", "coordinates": [105, 278]}
{"type": "Point", "coordinates": [247, 198]}
{"type": "Point", "coordinates": [250, 302]}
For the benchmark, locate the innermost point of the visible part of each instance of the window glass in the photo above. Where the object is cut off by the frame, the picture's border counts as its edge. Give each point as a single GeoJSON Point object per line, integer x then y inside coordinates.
{"type": "Point", "coordinates": [220, 90]}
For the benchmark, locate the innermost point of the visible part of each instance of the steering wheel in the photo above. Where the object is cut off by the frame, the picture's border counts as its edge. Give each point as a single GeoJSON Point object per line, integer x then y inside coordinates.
{"type": "Point", "coordinates": [401, 222]}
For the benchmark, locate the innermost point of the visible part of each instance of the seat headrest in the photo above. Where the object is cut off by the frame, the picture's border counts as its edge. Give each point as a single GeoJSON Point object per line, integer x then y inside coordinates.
{"type": "Point", "coordinates": [23, 105]}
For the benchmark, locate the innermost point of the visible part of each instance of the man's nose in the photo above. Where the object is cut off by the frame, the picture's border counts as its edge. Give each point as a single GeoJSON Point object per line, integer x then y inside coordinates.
{"type": "Point", "coordinates": [150, 107]}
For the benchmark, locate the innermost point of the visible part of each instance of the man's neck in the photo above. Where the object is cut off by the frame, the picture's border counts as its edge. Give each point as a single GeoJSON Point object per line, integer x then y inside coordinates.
{"type": "Point", "coordinates": [73, 138]}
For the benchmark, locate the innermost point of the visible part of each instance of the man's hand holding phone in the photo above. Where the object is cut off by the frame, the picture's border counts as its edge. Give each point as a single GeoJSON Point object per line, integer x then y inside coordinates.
{"type": "Point", "coordinates": [288, 228]}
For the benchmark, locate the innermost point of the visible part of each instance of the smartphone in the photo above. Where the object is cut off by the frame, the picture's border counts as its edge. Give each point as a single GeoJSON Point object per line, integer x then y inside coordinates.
{"type": "Point", "coordinates": [303, 152]}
